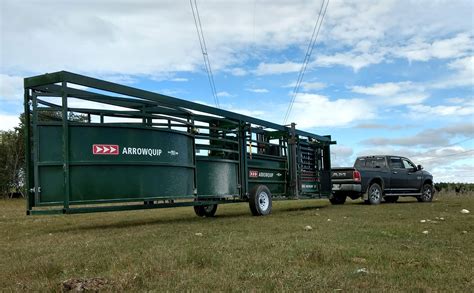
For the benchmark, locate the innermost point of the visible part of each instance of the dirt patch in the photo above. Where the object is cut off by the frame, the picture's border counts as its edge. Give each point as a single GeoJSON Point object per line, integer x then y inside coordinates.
{"type": "Point", "coordinates": [81, 285]}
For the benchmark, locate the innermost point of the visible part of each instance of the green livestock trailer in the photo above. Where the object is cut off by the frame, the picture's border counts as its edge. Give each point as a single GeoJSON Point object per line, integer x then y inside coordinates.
{"type": "Point", "coordinates": [93, 145]}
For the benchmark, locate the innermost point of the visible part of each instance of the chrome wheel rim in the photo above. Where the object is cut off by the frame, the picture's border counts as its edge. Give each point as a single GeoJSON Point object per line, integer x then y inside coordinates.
{"type": "Point", "coordinates": [374, 194]}
{"type": "Point", "coordinates": [263, 201]}
{"type": "Point", "coordinates": [427, 193]}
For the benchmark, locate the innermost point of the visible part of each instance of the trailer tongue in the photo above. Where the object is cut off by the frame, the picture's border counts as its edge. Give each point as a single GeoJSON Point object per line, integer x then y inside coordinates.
{"type": "Point", "coordinates": [93, 145]}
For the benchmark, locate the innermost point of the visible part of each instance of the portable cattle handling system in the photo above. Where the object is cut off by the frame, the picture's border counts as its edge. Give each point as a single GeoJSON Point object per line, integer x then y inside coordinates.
{"type": "Point", "coordinates": [93, 145]}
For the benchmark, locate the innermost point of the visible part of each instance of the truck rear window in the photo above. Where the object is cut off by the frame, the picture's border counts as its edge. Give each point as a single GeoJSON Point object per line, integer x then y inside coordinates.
{"type": "Point", "coordinates": [376, 162]}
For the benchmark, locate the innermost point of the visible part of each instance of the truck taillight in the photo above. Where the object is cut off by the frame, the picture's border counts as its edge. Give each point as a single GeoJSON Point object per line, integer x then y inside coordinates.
{"type": "Point", "coordinates": [356, 176]}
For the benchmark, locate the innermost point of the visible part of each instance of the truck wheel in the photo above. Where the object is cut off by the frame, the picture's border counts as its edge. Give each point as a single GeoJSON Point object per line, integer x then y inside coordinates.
{"type": "Point", "coordinates": [427, 194]}
{"type": "Point", "coordinates": [205, 211]}
{"type": "Point", "coordinates": [391, 199]}
{"type": "Point", "coordinates": [375, 194]}
{"type": "Point", "coordinates": [337, 198]}
{"type": "Point", "coordinates": [260, 201]}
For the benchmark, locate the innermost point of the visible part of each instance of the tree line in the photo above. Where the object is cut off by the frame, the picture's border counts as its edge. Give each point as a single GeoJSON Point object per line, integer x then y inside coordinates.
{"type": "Point", "coordinates": [458, 188]}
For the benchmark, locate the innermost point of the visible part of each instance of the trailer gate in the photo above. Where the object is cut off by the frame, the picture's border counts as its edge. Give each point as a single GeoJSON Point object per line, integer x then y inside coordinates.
{"type": "Point", "coordinates": [93, 145]}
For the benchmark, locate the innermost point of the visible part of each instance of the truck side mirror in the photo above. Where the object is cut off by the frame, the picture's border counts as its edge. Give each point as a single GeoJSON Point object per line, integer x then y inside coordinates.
{"type": "Point", "coordinates": [420, 167]}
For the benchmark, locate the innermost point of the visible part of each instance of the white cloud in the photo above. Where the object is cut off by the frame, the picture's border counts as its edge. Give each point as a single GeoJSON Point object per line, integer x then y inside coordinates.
{"type": "Point", "coordinates": [11, 87]}
{"type": "Point", "coordinates": [432, 137]}
{"type": "Point", "coordinates": [238, 71]}
{"type": "Point", "coordinates": [381, 89]}
{"type": "Point", "coordinates": [351, 59]}
{"type": "Point", "coordinates": [277, 68]}
{"type": "Point", "coordinates": [179, 79]}
{"type": "Point", "coordinates": [341, 156]}
{"type": "Point", "coordinates": [143, 37]}
{"type": "Point", "coordinates": [448, 48]}
{"type": "Point", "coordinates": [308, 86]}
{"type": "Point", "coordinates": [224, 94]}
{"type": "Point", "coordinates": [426, 111]}
{"type": "Point", "coordinates": [366, 53]}
{"type": "Point", "coordinates": [464, 69]}
{"type": "Point", "coordinates": [380, 126]}
{"type": "Point", "coordinates": [394, 94]}
{"type": "Point", "coordinates": [8, 122]}
{"type": "Point", "coordinates": [251, 113]}
{"type": "Point", "coordinates": [257, 90]}
{"type": "Point", "coordinates": [452, 172]}
{"type": "Point", "coordinates": [338, 112]}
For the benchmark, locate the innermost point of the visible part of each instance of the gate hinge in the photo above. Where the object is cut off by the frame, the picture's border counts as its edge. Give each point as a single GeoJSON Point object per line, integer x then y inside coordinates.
{"type": "Point", "coordinates": [33, 190]}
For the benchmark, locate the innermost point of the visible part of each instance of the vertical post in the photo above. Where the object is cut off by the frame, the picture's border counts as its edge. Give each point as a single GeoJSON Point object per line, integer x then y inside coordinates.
{"type": "Point", "coordinates": [65, 145]}
{"type": "Point", "coordinates": [26, 133]}
{"type": "Point", "coordinates": [244, 186]}
{"type": "Point", "coordinates": [36, 182]}
{"type": "Point", "coordinates": [144, 119]}
{"type": "Point", "coordinates": [293, 163]}
{"type": "Point", "coordinates": [195, 170]}
{"type": "Point", "coordinates": [327, 167]}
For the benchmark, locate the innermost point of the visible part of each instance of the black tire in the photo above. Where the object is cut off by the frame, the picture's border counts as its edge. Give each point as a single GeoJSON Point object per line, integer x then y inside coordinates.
{"type": "Point", "coordinates": [375, 194]}
{"type": "Point", "coordinates": [337, 198]}
{"type": "Point", "coordinates": [260, 201]}
{"type": "Point", "coordinates": [391, 199]}
{"type": "Point", "coordinates": [426, 193]}
{"type": "Point", "coordinates": [205, 211]}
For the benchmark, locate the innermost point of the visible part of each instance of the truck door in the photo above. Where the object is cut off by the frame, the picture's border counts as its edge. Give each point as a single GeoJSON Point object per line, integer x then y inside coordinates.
{"type": "Point", "coordinates": [413, 179]}
{"type": "Point", "coordinates": [398, 177]}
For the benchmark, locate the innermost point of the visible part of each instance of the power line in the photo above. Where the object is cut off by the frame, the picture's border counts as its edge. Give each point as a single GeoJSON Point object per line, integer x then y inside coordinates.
{"type": "Point", "coordinates": [459, 142]}
{"type": "Point", "coordinates": [450, 155]}
{"type": "Point", "coordinates": [309, 50]}
{"type": "Point", "coordinates": [449, 145]}
{"type": "Point", "coordinates": [205, 55]}
{"type": "Point", "coordinates": [456, 154]}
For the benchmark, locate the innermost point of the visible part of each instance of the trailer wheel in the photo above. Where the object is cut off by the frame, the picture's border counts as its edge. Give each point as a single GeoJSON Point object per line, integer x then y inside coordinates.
{"type": "Point", "coordinates": [260, 201]}
{"type": "Point", "coordinates": [427, 195]}
{"type": "Point", "coordinates": [337, 198]}
{"type": "Point", "coordinates": [205, 211]}
{"type": "Point", "coordinates": [375, 194]}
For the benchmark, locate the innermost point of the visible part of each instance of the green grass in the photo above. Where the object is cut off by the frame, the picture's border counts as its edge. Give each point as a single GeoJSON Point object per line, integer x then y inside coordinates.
{"type": "Point", "coordinates": [158, 250]}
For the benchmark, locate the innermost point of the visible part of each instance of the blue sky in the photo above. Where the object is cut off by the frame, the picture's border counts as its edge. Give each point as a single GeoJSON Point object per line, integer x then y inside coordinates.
{"type": "Point", "coordinates": [385, 77]}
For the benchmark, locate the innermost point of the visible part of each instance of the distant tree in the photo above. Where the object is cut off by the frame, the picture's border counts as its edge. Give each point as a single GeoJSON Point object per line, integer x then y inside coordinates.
{"type": "Point", "coordinates": [12, 160]}
{"type": "Point", "coordinates": [12, 152]}
{"type": "Point", "coordinates": [458, 188]}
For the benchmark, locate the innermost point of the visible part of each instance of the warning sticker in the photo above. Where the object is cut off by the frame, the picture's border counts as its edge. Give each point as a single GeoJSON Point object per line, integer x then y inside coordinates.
{"type": "Point", "coordinates": [253, 174]}
{"type": "Point", "coordinates": [105, 149]}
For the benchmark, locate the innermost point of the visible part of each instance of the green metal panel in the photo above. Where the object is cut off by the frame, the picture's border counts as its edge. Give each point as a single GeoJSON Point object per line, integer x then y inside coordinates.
{"type": "Point", "coordinates": [148, 163]}
{"type": "Point", "coordinates": [309, 186]}
{"type": "Point", "coordinates": [269, 171]}
{"type": "Point", "coordinates": [216, 177]}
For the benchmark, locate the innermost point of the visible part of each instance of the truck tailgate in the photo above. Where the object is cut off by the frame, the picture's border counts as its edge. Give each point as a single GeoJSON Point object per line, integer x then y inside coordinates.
{"type": "Point", "coordinates": [342, 175]}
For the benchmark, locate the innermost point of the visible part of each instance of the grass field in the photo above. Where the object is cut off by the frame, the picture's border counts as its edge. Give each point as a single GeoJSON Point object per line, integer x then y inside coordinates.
{"type": "Point", "coordinates": [159, 250]}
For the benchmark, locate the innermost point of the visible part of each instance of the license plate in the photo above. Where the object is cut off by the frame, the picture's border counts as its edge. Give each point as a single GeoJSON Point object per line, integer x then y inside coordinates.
{"type": "Point", "coordinates": [336, 186]}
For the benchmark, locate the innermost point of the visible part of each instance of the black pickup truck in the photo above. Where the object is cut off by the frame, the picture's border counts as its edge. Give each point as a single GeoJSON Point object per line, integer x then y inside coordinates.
{"type": "Point", "coordinates": [377, 178]}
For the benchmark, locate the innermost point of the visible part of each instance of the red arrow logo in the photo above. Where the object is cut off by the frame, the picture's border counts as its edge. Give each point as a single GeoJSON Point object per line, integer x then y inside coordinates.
{"type": "Point", "coordinates": [105, 149]}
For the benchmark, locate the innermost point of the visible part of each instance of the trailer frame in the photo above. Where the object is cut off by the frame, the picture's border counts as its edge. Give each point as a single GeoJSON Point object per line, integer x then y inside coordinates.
{"type": "Point", "coordinates": [231, 137]}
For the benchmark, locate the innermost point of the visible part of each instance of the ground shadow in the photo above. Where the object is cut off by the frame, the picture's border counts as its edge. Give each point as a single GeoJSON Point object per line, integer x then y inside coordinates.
{"type": "Point", "coordinates": [187, 219]}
